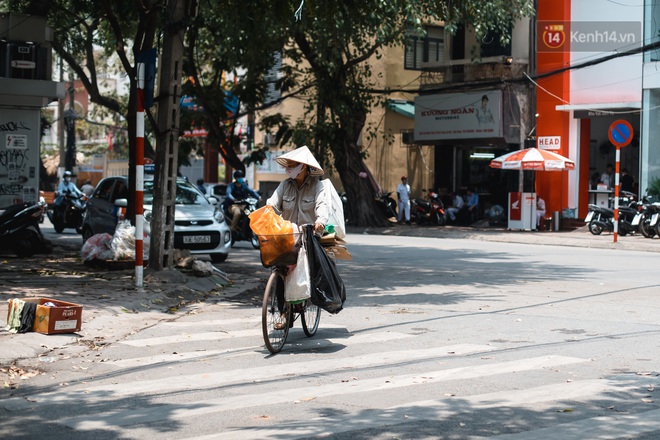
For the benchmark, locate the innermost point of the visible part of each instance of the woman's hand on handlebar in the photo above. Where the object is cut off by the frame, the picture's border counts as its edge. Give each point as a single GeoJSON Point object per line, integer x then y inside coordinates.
{"type": "Point", "coordinates": [319, 228]}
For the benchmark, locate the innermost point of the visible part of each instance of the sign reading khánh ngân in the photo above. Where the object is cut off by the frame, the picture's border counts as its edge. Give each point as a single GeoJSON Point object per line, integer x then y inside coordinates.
{"type": "Point", "coordinates": [458, 116]}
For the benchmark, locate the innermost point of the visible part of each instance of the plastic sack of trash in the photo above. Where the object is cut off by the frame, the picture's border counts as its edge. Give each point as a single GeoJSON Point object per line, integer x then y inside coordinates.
{"type": "Point", "coordinates": [277, 242]}
{"type": "Point", "coordinates": [123, 242]}
{"type": "Point", "coordinates": [297, 281]}
{"type": "Point", "coordinates": [495, 215]}
{"type": "Point", "coordinates": [97, 247]}
{"type": "Point", "coordinates": [327, 287]}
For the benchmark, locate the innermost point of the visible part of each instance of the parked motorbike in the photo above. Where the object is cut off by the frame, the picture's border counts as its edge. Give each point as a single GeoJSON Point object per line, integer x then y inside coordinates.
{"type": "Point", "coordinates": [650, 224]}
{"type": "Point", "coordinates": [69, 213]}
{"type": "Point", "coordinates": [602, 219]}
{"type": "Point", "coordinates": [387, 206]}
{"type": "Point", "coordinates": [429, 210]}
{"type": "Point", "coordinates": [244, 232]}
{"type": "Point", "coordinates": [496, 216]}
{"type": "Point", "coordinates": [19, 228]}
{"type": "Point", "coordinates": [387, 203]}
{"type": "Point", "coordinates": [644, 218]}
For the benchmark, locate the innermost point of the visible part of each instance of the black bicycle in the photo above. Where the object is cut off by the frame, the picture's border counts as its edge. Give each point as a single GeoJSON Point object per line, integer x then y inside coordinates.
{"type": "Point", "coordinates": [278, 315]}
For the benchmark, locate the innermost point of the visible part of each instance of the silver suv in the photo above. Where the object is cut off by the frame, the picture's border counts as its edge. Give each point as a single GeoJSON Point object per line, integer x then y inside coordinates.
{"type": "Point", "coordinates": [199, 224]}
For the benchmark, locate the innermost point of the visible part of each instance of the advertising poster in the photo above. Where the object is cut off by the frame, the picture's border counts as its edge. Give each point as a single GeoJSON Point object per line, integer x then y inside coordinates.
{"type": "Point", "coordinates": [458, 116]}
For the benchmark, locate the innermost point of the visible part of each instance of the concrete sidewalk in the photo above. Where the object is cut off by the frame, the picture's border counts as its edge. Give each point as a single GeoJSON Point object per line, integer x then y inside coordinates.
{"type": "Point", "coordinates": [113, 308]}
{"type": "Point", "coordinates": [580, 237]}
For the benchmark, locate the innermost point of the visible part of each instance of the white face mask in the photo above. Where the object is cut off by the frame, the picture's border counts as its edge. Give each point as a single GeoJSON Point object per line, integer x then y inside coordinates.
{"type": "Point", "coordinates": [293, 172]}
{"type": "Point", "coordinates": [68, 179]}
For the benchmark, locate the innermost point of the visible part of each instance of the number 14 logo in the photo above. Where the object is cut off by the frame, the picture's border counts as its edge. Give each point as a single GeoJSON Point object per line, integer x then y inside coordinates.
{"type": "Point", "coordinates": [554, 36]}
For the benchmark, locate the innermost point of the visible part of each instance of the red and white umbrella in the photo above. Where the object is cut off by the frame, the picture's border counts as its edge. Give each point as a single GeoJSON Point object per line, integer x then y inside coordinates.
{"type": "Point", "coordinates": [533, 159]}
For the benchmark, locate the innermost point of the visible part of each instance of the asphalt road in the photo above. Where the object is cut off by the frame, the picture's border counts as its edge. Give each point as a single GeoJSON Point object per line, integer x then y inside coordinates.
{"type": "Point", "coordinates": [440, 338]}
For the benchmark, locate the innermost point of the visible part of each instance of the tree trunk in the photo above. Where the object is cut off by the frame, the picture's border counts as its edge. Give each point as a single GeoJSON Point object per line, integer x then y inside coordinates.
{"type": "Point", "coordinates": [363, 209]}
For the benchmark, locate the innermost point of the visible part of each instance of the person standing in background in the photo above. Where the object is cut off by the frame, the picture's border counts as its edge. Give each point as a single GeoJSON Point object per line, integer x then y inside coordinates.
{"type": "Point", "coordinates": [627, 181]}
{"type": "Point", "coordinates": [403, 193]}
{"type": "Point", "coordinates": [540, 210]}
{"type": "Point", "coordinates": [608, 176]}
{"type": "Point", "coordinates": [87, 188]}
{"type": "Point", "coordinates": [200, 185]}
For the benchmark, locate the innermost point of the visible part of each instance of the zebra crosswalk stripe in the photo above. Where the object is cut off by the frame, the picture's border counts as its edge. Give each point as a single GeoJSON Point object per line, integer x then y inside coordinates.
{"type": "Point", "coordinates": [210, 406]}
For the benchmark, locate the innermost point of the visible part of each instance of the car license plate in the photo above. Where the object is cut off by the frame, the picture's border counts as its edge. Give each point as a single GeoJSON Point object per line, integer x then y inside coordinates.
{"type": "Point", "coordinates": [636, 219]}
{"type": "Point", "coordinates": [194, 239]}
{"type": "Point", "coordinates": [654, 219]}
{"type": "Point", "coordinates": [589, 217]}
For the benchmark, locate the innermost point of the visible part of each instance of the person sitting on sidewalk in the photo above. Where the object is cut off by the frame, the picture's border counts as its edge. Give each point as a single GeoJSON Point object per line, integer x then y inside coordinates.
{"type": "Point", "coordinates": [457, 203]}
{"type": "Point", "coordinates": [469, 211]}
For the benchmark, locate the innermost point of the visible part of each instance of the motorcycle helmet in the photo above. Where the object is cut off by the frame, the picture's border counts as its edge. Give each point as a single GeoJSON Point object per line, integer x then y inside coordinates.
{"type": "Point", "coordinates": [238, 174]}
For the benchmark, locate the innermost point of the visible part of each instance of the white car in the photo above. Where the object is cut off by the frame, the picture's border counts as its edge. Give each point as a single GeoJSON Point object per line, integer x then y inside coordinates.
{"type": "Point", "coordinates": [199, 224]}
{"type": "Point", "coordinates": [217, 190]}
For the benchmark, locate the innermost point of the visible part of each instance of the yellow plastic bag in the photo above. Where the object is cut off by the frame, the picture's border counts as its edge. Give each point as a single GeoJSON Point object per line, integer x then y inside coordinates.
{"type": "Point", "coordinates": [276, 237]}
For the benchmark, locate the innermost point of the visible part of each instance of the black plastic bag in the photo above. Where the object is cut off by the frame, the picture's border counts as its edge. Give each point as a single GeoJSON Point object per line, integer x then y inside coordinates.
{"type": "Point", "coordinates": [327, 287]}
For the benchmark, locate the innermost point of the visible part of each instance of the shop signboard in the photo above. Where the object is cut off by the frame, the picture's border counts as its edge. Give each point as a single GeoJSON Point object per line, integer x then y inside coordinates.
{"type": "Point", "coordinates": [549, 142]}
{"type": "Point", "coordinates": [473, 115]}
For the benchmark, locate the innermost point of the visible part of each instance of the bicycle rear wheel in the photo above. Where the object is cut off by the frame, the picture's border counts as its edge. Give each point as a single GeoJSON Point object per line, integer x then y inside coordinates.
{"type": "Point", "coordinates": [310, 318]}
{"type": "Point", "coordinates": [273, 321]}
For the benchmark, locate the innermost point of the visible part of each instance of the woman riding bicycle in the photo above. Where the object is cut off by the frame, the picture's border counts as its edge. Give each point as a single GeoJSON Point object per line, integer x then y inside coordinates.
{"type": "Point", "coordinates": [300, 198]}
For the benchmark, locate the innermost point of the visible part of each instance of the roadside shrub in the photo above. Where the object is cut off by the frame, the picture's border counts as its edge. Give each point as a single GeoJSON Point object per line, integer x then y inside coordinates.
{"type": "Point", "coordinates": [654, 187]}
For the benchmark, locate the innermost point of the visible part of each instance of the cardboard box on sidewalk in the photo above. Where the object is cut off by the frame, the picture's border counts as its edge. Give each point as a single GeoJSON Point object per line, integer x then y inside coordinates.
{"type": "Point", "coordinates": [63, 317]}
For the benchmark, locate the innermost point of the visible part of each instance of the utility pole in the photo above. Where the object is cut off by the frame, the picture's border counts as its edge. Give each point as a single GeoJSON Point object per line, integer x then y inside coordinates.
{"type": "Point", "coordinates": [167, 143]}
{"type": "Point", "coordinates": [70, 117]}
{"type": "Point", "coordinates": [60, 127]}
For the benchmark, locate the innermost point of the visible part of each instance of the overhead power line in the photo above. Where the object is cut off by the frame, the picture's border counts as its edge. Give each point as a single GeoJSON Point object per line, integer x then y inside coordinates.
{"type": "Point", "coordinates": [522, 79]}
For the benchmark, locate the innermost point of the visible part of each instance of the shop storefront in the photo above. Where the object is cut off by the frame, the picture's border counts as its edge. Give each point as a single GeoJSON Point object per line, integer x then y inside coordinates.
{"type": "Point", "coordinates": [466, 131]}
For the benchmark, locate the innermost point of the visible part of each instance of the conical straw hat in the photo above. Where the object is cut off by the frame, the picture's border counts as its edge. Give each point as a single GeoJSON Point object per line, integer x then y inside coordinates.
{"type": "Point", "coordinates": [301, 155]}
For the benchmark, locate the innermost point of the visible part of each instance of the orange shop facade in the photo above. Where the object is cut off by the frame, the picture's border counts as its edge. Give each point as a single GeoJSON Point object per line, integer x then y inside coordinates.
{"type": "Point", "coordinates": [582, 88]}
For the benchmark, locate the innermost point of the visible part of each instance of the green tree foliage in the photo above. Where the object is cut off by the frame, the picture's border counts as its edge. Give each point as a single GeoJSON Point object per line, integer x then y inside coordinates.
{"type": "Point", "coordinates": [328, 46]}
{"type": "Point", "coordinates": [654, 187]}
{"type": "Point", "coordinates": [229, 47]}
{"type": "Point", "coordinates": [121, 28]}
{"type": "Point", "coordinates": [333, 43]}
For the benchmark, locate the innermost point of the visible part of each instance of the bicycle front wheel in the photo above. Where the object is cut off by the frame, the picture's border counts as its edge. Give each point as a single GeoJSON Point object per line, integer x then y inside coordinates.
{"type": "Point", "coordinates": [273, 314]}
{"type": "Point", "coordinates": [310, 318]}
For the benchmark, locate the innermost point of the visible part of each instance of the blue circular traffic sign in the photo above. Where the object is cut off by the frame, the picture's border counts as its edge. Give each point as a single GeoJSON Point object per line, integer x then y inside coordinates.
{"type": "Point", "coordinates": [620, 133]}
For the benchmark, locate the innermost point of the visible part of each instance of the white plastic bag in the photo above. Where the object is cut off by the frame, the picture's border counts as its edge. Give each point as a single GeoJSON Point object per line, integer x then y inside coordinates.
{"type": "Point", "coordinates": [123, 242]}
{"type": "Point", "coordinates": [97, 247]}
{"type": "Point", "coordinates": [297, 281]}
{"type": "Point", "coordinates": [336, 208]}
